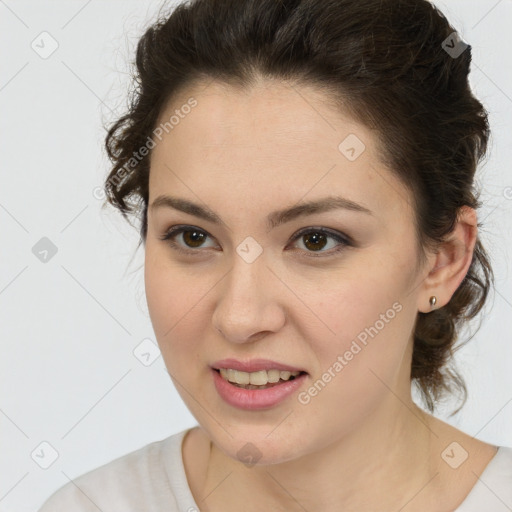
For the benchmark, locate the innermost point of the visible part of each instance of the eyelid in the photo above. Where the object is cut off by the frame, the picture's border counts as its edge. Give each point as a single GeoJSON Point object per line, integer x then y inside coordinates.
{"type": "Point", "coordinates": [178, 229]}
{"type": "Point", "coordinates": [337, 235]}
{"type": "Point", "coordinates": [343, 239]}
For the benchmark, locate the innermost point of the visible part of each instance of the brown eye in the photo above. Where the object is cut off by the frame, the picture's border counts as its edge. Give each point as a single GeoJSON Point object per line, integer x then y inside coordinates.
{"type": "Point", "coordinates": [193, 238]}
{"type": "Point", "coordinates": [315, 240]}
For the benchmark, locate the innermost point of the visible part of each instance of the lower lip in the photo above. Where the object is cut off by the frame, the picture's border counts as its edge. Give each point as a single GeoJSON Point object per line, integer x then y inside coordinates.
{"type": "Point", "coordinates": [255, 399]}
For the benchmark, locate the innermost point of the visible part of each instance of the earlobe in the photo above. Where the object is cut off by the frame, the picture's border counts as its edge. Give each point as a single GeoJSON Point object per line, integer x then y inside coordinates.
{"type": "Point", "coordinates": [452, 261]}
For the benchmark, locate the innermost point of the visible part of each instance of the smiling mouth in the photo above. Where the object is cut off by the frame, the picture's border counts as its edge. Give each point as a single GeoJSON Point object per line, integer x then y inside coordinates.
{"type": "Point", "coordinates": [257, 380]}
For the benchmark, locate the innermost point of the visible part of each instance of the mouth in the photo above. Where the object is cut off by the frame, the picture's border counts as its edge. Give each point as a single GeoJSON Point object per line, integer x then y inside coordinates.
{"type": "Point", "coordinates": [258, 389]}
{"type": "Point", "coordinates": [259, 380]}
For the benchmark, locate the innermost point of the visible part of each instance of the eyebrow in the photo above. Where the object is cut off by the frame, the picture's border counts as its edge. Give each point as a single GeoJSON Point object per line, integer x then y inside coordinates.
{"type": "Point", "coordinates": [274, 219]}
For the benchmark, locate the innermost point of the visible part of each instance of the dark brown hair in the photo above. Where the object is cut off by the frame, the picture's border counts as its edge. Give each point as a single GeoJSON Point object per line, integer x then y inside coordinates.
{"type": "Point", "coordinates": [386, 63]}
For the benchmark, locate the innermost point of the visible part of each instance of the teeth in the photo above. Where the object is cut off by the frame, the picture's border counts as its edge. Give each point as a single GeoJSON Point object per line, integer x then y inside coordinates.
{"type": "Point", "coordinates": [260, 378]}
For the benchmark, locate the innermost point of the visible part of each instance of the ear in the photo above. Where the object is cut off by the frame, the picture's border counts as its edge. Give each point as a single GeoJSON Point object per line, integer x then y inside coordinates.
{"type": "Point", "coordinates": [450, 264]}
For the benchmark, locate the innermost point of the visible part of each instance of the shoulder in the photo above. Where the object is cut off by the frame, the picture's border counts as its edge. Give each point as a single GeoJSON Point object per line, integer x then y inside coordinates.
{"type": "Point", "coordinates": [500, 469]}
{"type": "Point", "coordinates": [493, 490]}
{"type": "Point", "coordinates": [139, 480]}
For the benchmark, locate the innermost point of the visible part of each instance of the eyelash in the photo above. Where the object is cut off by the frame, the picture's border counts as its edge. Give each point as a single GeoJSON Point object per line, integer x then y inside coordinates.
{"type": "Point", "coordinates": [344, 240]}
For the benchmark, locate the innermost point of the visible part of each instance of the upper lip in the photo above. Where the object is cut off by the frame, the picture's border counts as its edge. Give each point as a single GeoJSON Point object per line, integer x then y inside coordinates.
{"type": "Point", "coordinates": [254, 365]}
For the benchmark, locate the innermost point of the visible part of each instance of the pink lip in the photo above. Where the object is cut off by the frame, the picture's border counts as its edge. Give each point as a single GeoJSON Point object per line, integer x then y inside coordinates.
{"type": "Point", "coordinates": [254, 365]}
{"type": "Point", "coordinates": [255, 399]}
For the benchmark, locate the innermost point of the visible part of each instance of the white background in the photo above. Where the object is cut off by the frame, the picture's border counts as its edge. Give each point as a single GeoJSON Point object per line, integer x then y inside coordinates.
{"type": "Point", "coordinates": [69, 326]}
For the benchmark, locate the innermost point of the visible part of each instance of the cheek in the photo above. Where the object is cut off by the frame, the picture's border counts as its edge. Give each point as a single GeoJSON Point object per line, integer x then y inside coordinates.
{"type": "Point", "coordinates": [361, 324]}
{"type": "Point", "coordinates": [347, 305]}
{"type": "Point", "coordinates": [174, 298]}
{"type": "Point", "coordinates": [356, 369]}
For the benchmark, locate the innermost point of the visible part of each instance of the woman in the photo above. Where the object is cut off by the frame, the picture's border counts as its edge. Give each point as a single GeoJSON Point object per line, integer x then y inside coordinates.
{"type": "Point", "coordinates": [303, 171]}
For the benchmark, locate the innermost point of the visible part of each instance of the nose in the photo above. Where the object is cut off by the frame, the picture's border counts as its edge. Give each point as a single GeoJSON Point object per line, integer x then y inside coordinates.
{"type": "Point", "coordinates": [248, 305]}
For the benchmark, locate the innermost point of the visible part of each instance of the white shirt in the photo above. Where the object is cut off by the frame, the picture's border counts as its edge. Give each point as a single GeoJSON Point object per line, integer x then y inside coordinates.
{"type": "Point", "coordinates": [153, 479]}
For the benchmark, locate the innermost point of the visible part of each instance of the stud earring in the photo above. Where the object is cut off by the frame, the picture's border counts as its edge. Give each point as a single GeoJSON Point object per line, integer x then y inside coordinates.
{"type": "Point", "coordinates": [432, 301]}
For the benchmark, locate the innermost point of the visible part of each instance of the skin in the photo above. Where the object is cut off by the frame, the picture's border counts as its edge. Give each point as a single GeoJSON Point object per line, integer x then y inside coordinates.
{"type": "Point", "coordinates": [361, 444]}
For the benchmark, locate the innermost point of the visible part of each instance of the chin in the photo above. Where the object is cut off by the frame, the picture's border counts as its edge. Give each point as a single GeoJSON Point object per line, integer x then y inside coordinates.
{"type": "Point", "coordinates": [254, 447]}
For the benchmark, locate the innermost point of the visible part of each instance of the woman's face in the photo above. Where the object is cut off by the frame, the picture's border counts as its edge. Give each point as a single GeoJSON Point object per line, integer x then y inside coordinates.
{"type": "Point", "coordinates": [332, 292]}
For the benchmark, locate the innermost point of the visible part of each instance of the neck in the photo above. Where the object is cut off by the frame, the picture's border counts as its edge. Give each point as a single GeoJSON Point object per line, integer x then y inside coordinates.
{"type": "Point", "coordinates": [381, 465]}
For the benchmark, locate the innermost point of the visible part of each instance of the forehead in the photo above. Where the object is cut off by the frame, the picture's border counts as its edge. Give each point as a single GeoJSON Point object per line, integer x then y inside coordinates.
{"type": "Point", "coordinates": [272, 135]}
{"type": "Point", "coordinates": [273, 112]}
